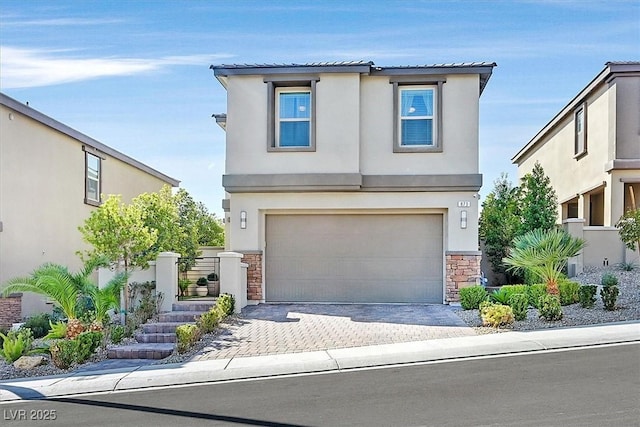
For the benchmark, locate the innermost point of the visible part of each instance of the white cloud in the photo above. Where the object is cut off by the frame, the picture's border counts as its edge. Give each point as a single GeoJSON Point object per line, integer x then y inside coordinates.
{"type": "Point", "coordinates": [22, 68]}
{"type": "Point", "coordinates": [58, 22]}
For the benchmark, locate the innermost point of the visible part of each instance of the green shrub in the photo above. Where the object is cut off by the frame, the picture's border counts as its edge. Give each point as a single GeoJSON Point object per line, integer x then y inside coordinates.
{"type": "Point", "coordinates": [65, 353]}
{"type": "Point", "coordinates": [39, 324]}
{"type": "Point", "coordinates": [519, 303]}
{"type": "Point", "coordinates": [515, 289]}
{"type": "Point", "coordinates": [15, 344]}
{"type": "Point", "coordinates": [550, 308]}
{"type": "Point", "coordinates": [500, 296]}
{"type": "Point", "coordinates": [472, 296]}
{"type": "Point", "coordinates": [496, 315]}
{"type": "Point", "coordinates": [587, 295]}
{"type": "Point", "coordinates": [609, 295]}
{"type": "Point", "coordinates": [226, 303]}
{"type": "Point", "coordinates": [186, 336]}
{"type": "Point", "coordinates": [209, 320]}
{"type": "Point", "coordinates": [56, 330]}
{"type": "Point", "coordinates": [568, 292]}
{"type": "Point", "coordinates": [609, 279]}
{"type": "Point", "coordinates": [116, 333]}
{"type": "Point", "coordinates": [534, 292]}
{"type": "Point", "coordinates": [627, 266]}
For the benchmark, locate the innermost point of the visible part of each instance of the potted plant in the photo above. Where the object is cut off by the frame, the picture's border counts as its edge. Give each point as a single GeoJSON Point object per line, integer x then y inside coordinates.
{"type": "Point", "coordinates": [201, 288]}
{"type": "Point", "coordinates": [191, 288]}
{"type": "Point", "coordinates": [213, 284]}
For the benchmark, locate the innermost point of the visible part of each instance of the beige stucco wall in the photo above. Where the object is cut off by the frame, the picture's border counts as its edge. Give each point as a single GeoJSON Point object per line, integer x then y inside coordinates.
{"type": "Point", "coordinates": [460, 105]}
{"type": "Point", "coordinates": [257, 205]}
{"type": "Point", "coordinates": [571, 176]}
{"type": "Point", "coordinates": [627, 104]}
{"type": "Point", "coordinates": [354, 129]}
{"type": "Point", "coordinates": [337, 130]}
{"type": "Point", "coordinates": [42, 197]}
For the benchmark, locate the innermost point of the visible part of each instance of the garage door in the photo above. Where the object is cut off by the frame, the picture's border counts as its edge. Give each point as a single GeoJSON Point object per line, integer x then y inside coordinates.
{"type": "Point", "coordinates": [354, 258]}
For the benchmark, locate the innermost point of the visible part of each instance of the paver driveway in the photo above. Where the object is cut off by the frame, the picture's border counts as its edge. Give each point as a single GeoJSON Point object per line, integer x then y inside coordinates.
{"type": "Point", "coordinates": [289, 328]}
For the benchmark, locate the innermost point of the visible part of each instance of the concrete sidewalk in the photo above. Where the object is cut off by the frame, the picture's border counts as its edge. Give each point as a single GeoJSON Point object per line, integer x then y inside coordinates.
{"type": "Point", "coordinates": [316, 361]}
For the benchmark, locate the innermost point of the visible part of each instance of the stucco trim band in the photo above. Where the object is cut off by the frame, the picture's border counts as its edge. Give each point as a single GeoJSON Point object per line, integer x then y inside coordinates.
{"type": "Point", "coordinates": [349, 182]}
{"type": "Point", "coordinates": [618, 164]}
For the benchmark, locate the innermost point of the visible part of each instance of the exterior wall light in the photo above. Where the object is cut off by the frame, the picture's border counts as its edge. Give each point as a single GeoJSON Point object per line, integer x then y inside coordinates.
{"type": "Point", "coordinates": [243, 219]}
{"type": "Point", "coordinates": [463, 219]}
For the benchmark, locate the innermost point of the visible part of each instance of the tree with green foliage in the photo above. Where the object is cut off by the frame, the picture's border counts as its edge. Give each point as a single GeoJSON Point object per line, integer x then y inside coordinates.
{"type": "Point", "coordinates": [199, 228]}
{"type": "Point", "coordinates": [544, 253]}
{"type": "Point", "coordinates": [538, 201]}
{"type": "Point", "coordinates": [629, 229]}
{"type": "Point", "coordinates": [499, 223]}
{"type": "Point", "coordinates": [118, 232]}
{"type": "Point", "coordinates": [160, 213]}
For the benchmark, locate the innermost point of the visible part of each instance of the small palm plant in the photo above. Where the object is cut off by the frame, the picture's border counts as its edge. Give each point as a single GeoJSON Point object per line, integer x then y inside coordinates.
{"type": "Point", "coordinates": [544, 253]}
{"type": "Point", "coordinates": [65, 288]}
{"type": "Point", "coordinates": [105, 299]}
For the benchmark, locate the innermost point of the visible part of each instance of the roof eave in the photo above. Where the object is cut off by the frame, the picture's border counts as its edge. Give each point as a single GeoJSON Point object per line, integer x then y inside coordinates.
{"type": "Point", "coordinates": [602, 77]}
{"type": "Point", "coordinates": [82, 138]}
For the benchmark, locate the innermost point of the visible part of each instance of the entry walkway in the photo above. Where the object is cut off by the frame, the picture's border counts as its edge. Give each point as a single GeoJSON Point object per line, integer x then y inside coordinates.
{"type": "Point", "coordinates": [267, 329]}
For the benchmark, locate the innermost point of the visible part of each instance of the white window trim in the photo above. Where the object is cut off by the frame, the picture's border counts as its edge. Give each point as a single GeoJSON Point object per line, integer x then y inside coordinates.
{"type": "Point", "coordinates": [87, 178]}
{"type": "Point", "coordinates": [278, 119]}
{"type": "Point", "coordinates": [580, 141]}
{"type": "Point", "coordinates": [404, 82]}
{"type": "Point", "coordinates": [401, 118]}
{"type": "Point", "coordinates": [274, 83]}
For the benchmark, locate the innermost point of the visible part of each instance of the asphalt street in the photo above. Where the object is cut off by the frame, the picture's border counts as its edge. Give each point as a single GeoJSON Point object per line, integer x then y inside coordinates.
{"type": "Point", "coordinates": [582, 387]}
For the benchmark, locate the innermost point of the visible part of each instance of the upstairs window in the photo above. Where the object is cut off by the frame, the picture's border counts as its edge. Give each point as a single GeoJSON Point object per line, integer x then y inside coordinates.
{"type": "Point", "coordinates": [417, 114]}
{"type": "Point", "coordinates": [580, 119]}
{"type": "Point", "coordinates": [92, 179]}
{"type": "Point", "coordinates": [294, 117]}
{"type": "Point", "coordinates": [291, 113]}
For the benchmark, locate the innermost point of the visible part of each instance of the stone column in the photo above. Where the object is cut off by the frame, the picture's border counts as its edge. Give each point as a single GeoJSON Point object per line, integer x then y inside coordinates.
{"type": "Point", "coordinates": [167, 278]}
{"type": "Point", "coordinates": [231, 281]}
{"type": "Point", "coordinates": [575, 227]}
{"type": "Point", "coordinates": [463, 269]}
{"type": "Point", "coordinates": [10, 310]}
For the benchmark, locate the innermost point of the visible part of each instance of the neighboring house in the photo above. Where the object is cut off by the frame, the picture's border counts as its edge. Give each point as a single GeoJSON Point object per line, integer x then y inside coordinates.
{"type": "Point", "coordinates": [51, 178]}
{"type": "Point", "coordinates": [591, 152]}
{"type": "Point", "coordinates": [350, 182]}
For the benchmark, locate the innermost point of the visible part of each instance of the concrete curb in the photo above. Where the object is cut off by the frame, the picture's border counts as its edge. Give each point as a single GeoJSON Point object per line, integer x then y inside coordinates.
{"type": "Point", "coordinates": [316, 361]}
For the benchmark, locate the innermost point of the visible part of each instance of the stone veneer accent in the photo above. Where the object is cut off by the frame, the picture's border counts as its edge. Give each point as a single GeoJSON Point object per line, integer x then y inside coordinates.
{"type": "Point", "coordinates": [10, 310]}
{"type": "Point", "coordinates": [463, 269]}
{"type": "Point", "coordinates": [254, 275]}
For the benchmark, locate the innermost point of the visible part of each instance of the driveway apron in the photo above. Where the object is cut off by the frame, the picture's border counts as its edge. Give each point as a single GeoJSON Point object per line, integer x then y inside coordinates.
{"type": "Point", "coordinates": [291, 328]}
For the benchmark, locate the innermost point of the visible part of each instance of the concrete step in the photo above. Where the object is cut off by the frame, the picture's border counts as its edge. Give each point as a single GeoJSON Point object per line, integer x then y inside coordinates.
{"type": "Point", "coordinates": [179, 316]}
{"type": "Point", "coordinates": [141, 351]}
{"type": "Point", "coordinates": [162, 327]}
{"type": "Point", "coordinates": [194, 305]}
{"type": "Point", "coordinates": [164, 338]}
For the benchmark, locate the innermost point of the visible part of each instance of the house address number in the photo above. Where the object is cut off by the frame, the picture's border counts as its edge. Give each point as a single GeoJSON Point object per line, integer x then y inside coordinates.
{"type": "Point", "coordinates": [464, 204]}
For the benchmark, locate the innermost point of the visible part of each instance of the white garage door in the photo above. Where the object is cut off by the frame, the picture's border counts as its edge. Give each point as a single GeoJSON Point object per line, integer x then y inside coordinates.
{"type": "Point", "coordinates": [354, 258]}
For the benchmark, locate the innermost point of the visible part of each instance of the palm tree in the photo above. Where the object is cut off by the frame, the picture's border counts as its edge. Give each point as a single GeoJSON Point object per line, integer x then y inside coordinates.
{"type": "Point", "coordinates": [65, 288]}
{"type": "Point", "coordinates": [105, 299]}
{"type": "Point", "coordinates": [544, 253]}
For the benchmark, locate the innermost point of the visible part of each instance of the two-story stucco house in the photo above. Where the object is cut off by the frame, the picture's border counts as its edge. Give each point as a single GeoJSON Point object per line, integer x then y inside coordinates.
{"type": "Point", "coordinates": [350, 182]}
{"type": "Point", "coordinates": [51, 178]}
{"type": "Point", "coordinates": [591, 152]}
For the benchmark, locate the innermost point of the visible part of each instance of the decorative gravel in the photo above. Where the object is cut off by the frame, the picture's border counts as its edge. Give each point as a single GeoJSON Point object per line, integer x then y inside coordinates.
{"type": "Point", "coordinates": [628, 308]}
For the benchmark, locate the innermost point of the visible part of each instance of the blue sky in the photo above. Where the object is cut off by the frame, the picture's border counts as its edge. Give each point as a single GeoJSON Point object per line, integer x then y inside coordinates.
{"type": "Point", "coordinates": [135, 74]}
